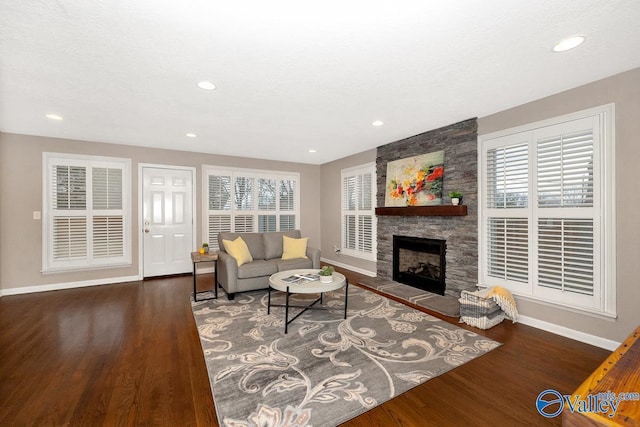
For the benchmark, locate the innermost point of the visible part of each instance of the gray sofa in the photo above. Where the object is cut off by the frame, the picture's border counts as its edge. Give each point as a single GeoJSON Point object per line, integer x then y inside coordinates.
{"type": "Point", "coordinates": [266, 250]}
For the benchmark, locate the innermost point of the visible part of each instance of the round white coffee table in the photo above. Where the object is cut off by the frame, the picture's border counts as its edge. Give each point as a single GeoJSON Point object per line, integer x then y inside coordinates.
{"type": "Point", "coordinates": [284, 281]}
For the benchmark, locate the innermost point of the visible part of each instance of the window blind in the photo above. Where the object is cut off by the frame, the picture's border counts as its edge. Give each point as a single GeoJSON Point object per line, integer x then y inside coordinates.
{"type": "Point", "coordinates": [547, 214]}
{"type": "Point", "coordinates": [507, 172]}
{"type": "Point", "coordinates": [218, 224]}
{"type": "Point", "coordinates": [565, 254]}
{"type": "Point", "coordinates": [239, 200]}
{"type": "Point", "coordinates": [86, 213]}
{"type": "Point", "coordinates": [508, 248]}
{"type": "Point", "coordinates": [358, 217]}
{"type": "Point", "coordinates": [565, 170]}
{"type": "Point", "coordinates": [69, 238]}
{"type": "Point", "coordinates": [219, 192]}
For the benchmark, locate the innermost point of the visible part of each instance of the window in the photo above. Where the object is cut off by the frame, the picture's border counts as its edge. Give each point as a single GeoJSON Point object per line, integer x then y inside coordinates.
{"type": "Point", "coordinates": [546, 215]}
{"type": "Point", "coordinates": [358, 216]}
{"type": "Point", "coordinates": [240, 200]}
{"type": "Point", "coordinates": [86, 212]}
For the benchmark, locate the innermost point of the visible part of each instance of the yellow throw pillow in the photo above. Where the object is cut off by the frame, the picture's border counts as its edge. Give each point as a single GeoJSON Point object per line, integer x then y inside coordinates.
{"type": "Point", "coordinates": [294, 248]}
{"type": "Point", "coordinates": [238, 249]}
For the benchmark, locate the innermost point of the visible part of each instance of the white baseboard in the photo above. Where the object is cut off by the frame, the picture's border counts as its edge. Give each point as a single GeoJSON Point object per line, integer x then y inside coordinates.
{"type": "Point", "coordinates": [349, 267]}
{"type": "Point", "coordinates": [569, 333]}
{"type": "Point", "coordinates": [68, 285]}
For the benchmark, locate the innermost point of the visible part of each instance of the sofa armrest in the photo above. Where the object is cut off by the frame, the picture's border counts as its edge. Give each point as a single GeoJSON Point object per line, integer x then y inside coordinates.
{"type": "Point", "coordinates": [227, 272]}
{"type": "Point", "coordinates": [314, 255]}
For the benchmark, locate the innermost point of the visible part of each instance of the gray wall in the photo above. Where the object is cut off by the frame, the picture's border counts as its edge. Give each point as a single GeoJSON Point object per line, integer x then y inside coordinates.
{"type": "Point", "coordinates": [21, 192]}
{"type": "Point", "coordinates": [623, 90]}
{"type": "Point", "coordinates": [331, 210]}
{"type": "Point", "coordinates": [459, 142]}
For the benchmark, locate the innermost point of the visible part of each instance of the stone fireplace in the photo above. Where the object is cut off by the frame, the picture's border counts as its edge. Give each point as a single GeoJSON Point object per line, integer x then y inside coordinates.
{"type": "Point", "coordinates": [420, 262]}
{"type": "Point", "coordinates": [460, 144]}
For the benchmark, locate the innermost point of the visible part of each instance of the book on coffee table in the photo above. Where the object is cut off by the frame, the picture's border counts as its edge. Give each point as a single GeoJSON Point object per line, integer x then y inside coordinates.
{"type": "Point", "coordinates": [301, 278]}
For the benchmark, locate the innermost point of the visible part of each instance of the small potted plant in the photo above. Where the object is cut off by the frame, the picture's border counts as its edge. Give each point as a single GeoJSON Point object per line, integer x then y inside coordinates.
{"type": "Point", "coordinates": [456, 197]}
{"type": "Point", "coordinates": [205, 246]}
{"type": "Point", "coordinates": [326, 274]}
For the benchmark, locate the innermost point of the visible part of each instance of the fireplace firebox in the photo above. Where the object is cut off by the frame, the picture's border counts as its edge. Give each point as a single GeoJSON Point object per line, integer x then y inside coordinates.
{"type": "Point", "coordinates": [420, 262]}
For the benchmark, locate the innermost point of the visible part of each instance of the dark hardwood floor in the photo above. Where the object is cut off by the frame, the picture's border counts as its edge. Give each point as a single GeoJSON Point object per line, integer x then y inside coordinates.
{"type": "Point", "coordinates": [129, 354]}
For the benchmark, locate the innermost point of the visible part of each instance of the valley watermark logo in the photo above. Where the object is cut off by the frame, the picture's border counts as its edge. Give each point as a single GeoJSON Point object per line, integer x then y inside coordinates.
{"type": "Point", "coordinates": [550, 403]}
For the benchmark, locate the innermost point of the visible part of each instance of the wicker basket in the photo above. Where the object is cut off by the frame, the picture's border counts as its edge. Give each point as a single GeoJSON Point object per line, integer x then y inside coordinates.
{"type": "Point", "coordinates": [480, 312]}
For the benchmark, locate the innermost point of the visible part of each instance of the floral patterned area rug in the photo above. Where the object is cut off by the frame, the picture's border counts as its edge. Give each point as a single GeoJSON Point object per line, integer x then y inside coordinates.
{"type": "Point", "coordinates": [327, 369]}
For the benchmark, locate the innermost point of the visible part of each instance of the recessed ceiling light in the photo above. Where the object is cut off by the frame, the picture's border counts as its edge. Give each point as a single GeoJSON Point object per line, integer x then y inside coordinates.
{"type": "Point", "coordinates": [568, 43]}
{"type": "Point", "coordinates": [312, 150]}
{"type": "Point", "coordinates": [53, 116]}
{"type": "Point", "coordinates": [191, 135]}
{"type": "Point", "coordinates": [206, 85]}
{"type": "Point", "coordinates": [377, 123]}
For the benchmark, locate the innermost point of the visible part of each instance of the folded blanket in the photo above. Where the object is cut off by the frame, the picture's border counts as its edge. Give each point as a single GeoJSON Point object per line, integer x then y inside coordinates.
{"type": "Point", "coordinates": [504, 299]}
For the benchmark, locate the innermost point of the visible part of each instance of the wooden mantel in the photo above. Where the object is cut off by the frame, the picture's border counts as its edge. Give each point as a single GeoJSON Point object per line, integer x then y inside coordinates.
{"type": "Point", "coordinates": [442, 210]}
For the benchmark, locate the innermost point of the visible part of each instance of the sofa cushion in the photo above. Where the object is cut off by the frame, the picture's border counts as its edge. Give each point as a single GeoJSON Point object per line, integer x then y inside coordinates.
{"type": "Point", "coordinates": [238, 249]}
{"type": "Point", "coordinates": [257, 268]}
{"type": "Point", "coordinates": [253, 240]}
{"type": "Point", "coordinates": [294, 264]}
{"type": "Point", "coordinates": [294, 248]}
{"type": "Point", "coordinates": [273, 242]}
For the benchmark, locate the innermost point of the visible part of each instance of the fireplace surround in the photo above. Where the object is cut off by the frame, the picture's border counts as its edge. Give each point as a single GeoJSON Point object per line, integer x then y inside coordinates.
{"type": "Point", "coordinates": [460, 144]}
{"type": "Point", "coordinates": [420, 262]}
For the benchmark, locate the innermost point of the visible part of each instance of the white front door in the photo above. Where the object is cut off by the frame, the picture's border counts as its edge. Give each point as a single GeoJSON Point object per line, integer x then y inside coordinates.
{"type": "Point", "coordinates": [167, 215]}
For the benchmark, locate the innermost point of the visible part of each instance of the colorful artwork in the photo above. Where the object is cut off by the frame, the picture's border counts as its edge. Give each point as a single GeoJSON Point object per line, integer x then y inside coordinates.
{"type": "Point", "coordinates": [415, 181]}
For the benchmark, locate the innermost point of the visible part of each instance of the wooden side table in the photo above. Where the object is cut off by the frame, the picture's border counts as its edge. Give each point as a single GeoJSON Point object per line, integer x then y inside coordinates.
{"type": "Point", "coordinates": [619, 373]}
{"type": "Point", "coordinates": [197, 257]}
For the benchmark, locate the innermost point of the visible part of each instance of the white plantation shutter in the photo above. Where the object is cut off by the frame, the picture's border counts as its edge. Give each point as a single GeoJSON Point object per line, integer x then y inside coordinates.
{"type": "Point", "coordinates": [218, 224]}
{"type": "Point", "coordinates": [365, 233]}
{"type": "Point", "coordinates": [86, 213]}
{"type": "Point", "coordinates": [243, 193]}
{"type": "Point", "coordinates": [108, 236]}
{"type": "Point", "coordinates": [287, 194]}
{"type": "Point", "coordinates": [218, 201]}
{"type": "Point", "coordinates": [243, 223]}
{"type": "Point", "coordinates": [239, 201]}
{"type": "Point", "coordinates": [267, 200]}
{"type": "Point", "coordinates": [107, 188]}
{"type": "Point", "coordinates": [358, 217]}
{"type": "Point", "coordinates": [266, 194]}
{"type": "Point", "coordinates": [508, 253]}
{"type": "Point", "coordinates": [69, 187]}
{"type": "Point", "coordinates": [349, 232]}
{"type": "Point", "coordinates": [267, 223]}
{"type": "Point", "coordinates": [287, 222]}
{"type": "Point", "coordinates": [547, 213]}
{"type": "Point", "coordinates": [507, 172]}
{"type": "Point", "coordinates": [69, 238]}
{"type": "Point", "coordinates": [565, 170]}
{"type": "Point", "coordinates": [108, 219]}
{"type": "Point", "coordinates": [506, 201]}
{"type": "Point", "coordinates": [565, 254]}
{"type": "Point", "coordinates": [219, 192]}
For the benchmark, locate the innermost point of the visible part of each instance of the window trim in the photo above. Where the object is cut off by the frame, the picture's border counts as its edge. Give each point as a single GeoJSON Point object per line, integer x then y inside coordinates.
{"type": "Point", "coordinates": [257, 174]}
{"type": "Point", "coordinates": [369, 167]}
{"type": "Point", "coordinates": [606, 239]}
{"type": "Point", "coordinates": [49, 159]}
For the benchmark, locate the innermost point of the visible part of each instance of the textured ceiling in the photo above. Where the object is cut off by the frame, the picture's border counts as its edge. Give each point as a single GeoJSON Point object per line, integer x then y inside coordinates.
{"type": "Point", "coordinates": [292, 75]}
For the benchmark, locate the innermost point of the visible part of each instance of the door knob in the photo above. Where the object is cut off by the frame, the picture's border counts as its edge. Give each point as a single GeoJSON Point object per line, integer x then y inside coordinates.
{"type": "Point", "coordinates": [146, 230]}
